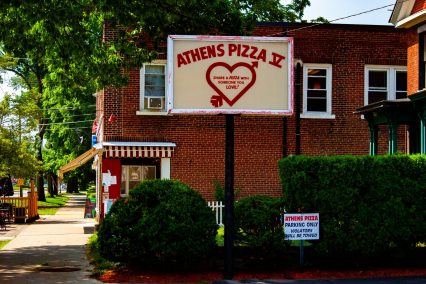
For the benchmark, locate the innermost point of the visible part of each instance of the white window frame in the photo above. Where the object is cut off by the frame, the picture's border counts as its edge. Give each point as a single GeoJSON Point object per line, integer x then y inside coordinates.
{"type": "Point", "coordinates": [318, 114]}
{"type": "Point", "coordinates": [391, 79]}
{"type": "Point", "coordinates": [127, 176]}
{"type": "Point", "coordinates": [142, 110]}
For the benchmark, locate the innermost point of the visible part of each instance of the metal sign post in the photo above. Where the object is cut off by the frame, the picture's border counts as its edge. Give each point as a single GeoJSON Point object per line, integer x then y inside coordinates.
{"type": "Point", "coordinates": [229, 197]}
{"type": "Point", "coordinates": [301, 226]}
{"type": "Point", "coordinates": [302, 255]}
{"type": "Point", "coordinates": [215, 75]}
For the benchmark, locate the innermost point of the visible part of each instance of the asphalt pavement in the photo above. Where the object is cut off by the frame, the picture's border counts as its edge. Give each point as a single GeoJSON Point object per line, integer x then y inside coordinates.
{"type": "Point", "coordinates": [52, 250]}
{"type": "Point", "coordinates": [401, 280]}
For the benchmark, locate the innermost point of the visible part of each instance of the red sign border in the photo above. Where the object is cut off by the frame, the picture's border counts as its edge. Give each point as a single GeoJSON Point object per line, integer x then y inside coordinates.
{"type": "Point", "coordinates": [216, 111]}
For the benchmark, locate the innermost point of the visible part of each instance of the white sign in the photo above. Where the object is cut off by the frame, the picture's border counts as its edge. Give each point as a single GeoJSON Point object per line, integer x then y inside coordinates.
{"type": "Point", "coordinates": [108, 180]}
{"type": "Point", "coordinates": [301, 226]}
{"type": "Point", "coordinates": [216, 74]}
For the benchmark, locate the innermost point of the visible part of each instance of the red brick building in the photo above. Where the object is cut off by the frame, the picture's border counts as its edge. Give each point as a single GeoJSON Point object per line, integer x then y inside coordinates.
{"type": "Point", "coordinates": [337, 70]}
{"type": "Point", "coordinates": [410, 18]}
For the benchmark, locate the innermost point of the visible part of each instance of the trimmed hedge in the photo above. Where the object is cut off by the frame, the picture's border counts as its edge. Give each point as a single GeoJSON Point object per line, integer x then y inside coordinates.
{"type": "Point", "coordinates": [367, 204]}
{"type": "Point", "coordinates": [161, 223]}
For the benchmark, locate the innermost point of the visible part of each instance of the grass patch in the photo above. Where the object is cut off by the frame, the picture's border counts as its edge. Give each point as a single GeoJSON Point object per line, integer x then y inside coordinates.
{"type": "Point", "coordinates": [51, 205]}
{"type": "Point", "coordinates": [3, 243]}
{"type": "Point", "coordinates": [100, 264]}
{"type": "Point", "coordinates": [220, 236]}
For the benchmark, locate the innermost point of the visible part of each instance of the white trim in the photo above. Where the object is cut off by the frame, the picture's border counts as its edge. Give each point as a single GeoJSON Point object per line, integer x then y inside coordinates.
{"type": "Point", "coordinates": [329, 92]}
{"type": "Point", "coordinates": [412, 20]}
{"type": "Point", "coordinates": [317, 115]}
{"type": "Point", "coordinates": [136, 144]}
{"type": "Point", "coordinates": [142, 110]}
{"type": "Point", "coordinates": [165, 168]}
{"type": "Point", "coordinates": [170, 87]}
{"type": "Point", "coordinates": [146, 112]}
{"type": "Point", "coordinates": [210, 111]}
{"type": "Point", "coordinates": [229, 111]}
{"type": "Point", "coordinates": [421, 29]}
{"type": "Point", "coordinates": [391, 79]}
{"type": "Point", "coordinates": [402, 9]}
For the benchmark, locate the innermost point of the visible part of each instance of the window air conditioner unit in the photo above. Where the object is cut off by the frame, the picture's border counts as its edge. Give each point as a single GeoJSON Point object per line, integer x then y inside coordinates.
{"type": "Point", "coordinates": [155, 102]}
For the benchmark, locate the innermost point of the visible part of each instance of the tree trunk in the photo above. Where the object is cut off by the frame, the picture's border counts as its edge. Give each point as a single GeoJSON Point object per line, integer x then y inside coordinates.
{"type": "Point", "coordinates": [55, 184]}
{"type": "Point", "coordinates": [50, 185]}
{"type": "Point", "coordinates": [41, 130]}
{"type": "Point", "coordinates": [40, 181]}
{"type": "Point", "coordinates": [72, 185]}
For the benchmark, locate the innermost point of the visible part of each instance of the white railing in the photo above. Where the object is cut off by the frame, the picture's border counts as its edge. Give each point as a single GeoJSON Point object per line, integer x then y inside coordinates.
{"type": "Point", "coordinates": [217, 207]}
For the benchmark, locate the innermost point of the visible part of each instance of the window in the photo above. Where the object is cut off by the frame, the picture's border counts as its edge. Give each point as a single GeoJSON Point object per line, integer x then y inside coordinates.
{"type": "Point", "coordinates": [153, 89]}
{"type": "Point", "coordinates": [385, 83]}
{"type": "Point", "coordinates": [132, 175]}
{"type": "Point", "coordinates": [317, 91]}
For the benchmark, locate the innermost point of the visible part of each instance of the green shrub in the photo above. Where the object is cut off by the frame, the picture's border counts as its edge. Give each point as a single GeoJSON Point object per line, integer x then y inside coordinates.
{"type": "Point", "coordinates": [162, 222]}
{"type": "Point", "coordinates": [258, 223]}
{"type": "Point", "coordinates": [367, 205]}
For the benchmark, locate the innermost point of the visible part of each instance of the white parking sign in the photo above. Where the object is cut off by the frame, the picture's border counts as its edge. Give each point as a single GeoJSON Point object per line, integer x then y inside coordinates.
{"type": "Point", "coordinates": [301, 226]}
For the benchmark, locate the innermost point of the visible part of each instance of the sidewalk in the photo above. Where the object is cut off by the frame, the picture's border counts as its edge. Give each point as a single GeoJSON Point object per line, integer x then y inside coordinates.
{"type": "Point", "coordinates": [51, 250]}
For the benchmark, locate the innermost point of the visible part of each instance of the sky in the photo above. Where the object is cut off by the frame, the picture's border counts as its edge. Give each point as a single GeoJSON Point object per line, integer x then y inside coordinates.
{"type": "Point", "coordinates": [331, 10]}
{"type": "Point", "coordinates": [334, 9]}
{"type": "Point", "coordinates": [5, 88]}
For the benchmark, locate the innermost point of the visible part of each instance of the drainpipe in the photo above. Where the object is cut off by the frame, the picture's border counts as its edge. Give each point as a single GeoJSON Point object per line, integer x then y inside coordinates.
{"type": "Point", "coordinates": [297, 95]}
{"type": "Point", "coordinates": [284, 138]}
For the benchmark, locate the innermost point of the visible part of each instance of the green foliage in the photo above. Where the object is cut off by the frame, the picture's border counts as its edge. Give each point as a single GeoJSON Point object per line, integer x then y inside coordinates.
{"type": "Point", "coordinates": [162, 222]}
{"type": "Point", "coordinates": [320, 20]}
{"type": "Point", "coordinates": [229, 17]}
{"type": "Point", "coordinates": [16, 157]}
{"type": "Point", "coordinates": [91, 191]}
{"type": "Point", "coordinates": [367, 205]}
{"type": "Point", "coordinates": [55, 49]}
{"type": "Point", "coordinates": [220, 237]}
{"type": "Point", "coordinates": [258, 223]}
{"type": "Point", "coordinates": [52, 204]}
{"type": "Point", "coordinates": [219, 193]}
{"type": "Point", "coordinates": [99, 263]}
{"type": "Point", "coordinates": [4, 243]}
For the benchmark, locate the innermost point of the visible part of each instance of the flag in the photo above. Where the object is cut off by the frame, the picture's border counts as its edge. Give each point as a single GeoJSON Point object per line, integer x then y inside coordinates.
{"type": "Point", "coordinates": [94, 126]}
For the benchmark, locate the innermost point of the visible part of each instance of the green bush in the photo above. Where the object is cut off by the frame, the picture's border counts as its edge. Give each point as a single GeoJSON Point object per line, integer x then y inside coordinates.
{"type": "Point", "coordinates": [162, 222]}
{"type": "Point", "coordinates": [367, 205]}
{"type": "Point", "coordinates": [258, 224]}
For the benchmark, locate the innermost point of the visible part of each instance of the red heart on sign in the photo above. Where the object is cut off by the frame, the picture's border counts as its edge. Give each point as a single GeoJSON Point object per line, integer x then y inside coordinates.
{"type": "Point", "coordinates": [226, 86]}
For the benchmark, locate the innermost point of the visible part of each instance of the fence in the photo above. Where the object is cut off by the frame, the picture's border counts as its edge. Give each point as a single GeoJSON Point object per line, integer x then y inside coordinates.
{"type": "Point", "coordinates": [217, 207]}
{"type": "Point", "coordinates": [24, 208]}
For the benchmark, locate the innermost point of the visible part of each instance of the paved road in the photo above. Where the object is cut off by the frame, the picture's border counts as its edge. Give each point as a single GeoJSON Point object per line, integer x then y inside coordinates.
{"type": "Point", "coordinates": [52, 250]}
{"type": "Point", "coordinates": [405, 280]}
{"type": "Point", "coordinates": [402, 280]}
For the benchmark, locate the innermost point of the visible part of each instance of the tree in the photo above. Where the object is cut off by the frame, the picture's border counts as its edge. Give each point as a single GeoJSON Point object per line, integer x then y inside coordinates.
{"type": "Point", "coordinates": [320, 20]}
{"type": "Point", "coordinates": [15, 158]}
{"type": "Point", "coordinates": [46, 42]}
{"type": "Point", "coordinates": [55, 48]}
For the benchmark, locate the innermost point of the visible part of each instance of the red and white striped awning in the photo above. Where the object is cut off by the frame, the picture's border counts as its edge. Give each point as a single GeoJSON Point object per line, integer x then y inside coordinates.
{"type": "Point", "coordinates": [138, 149]}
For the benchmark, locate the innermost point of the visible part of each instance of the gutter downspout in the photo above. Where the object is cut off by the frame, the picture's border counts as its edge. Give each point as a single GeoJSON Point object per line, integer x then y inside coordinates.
{"type": "Point", "coordinates": [284, 138]}
{"type": "Point", "coordinates": [298, 84]}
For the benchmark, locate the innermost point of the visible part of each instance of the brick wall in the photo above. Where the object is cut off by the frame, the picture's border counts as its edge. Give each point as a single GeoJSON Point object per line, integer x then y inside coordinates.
{"type": "Point", "coordinates": [413, 61]}
{"type": "Point", "coordinates": [418, 6]}
{"type": "Point", "coordinates": [261, 141]}
{"type": "Point", "coordinates": [348, 48]}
